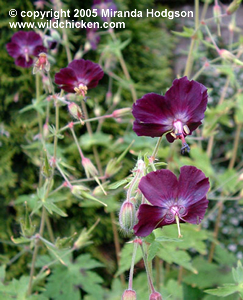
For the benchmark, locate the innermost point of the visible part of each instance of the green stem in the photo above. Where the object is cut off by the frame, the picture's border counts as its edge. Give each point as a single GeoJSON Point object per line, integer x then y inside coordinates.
{"type": "Point", "coordinates": [150, 282]}
{"type": "Point", "coordinates": [135, 247]}
{"type": "Point", "coordinates": [236, 144]}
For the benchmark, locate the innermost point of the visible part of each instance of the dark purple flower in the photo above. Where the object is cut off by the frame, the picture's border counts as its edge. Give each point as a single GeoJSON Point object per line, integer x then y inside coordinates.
{"type": "Point", "coordinates": [177, 113]}
{"type": "Point", "coordinates": [173, 201]}
{"type": "Point", "coordinates": [79, 76]}
{"type": "Point", "coordinates": [23, 46]}
{"type": "Point", "coordinates": [102, 7]}
{"type": "Point", "coordinates": [93, 37]}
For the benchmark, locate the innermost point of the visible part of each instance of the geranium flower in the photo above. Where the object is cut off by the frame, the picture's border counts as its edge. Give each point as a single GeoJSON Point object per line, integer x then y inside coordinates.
{"type": "Point", "coordinates": [93, 37]}
{"type": "Point", "coordinates": [23, 46]}
{"type": "Point", "coordinates": [178, 113]}
{"type": "Point", "coordinates": [102, 6]}
{"type": "Point", "coordinates": [173, 201]}
{"type": "Point", "coordinates": [79, 76]}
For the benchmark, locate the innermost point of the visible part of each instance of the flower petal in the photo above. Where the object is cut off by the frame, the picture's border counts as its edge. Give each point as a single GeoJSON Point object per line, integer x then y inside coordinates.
{"type": "Point", "coordinates": [186, 96]}
{"type": "Point", "coordinates": [193, 186]}
{"type": "Point", "coordinates": [22, 62]}
{"type": "Point", "coordinates": [87, 72]}
{"type": "Point", "coordinates": [148, 129]}
{"type": "Point", "coordinates": [39, 49]}
{"type": "Point", "coordinates": [159, 187]}
{"type": "Point", "coordinates": [20, 38]}
{"type": "Point", "coordinates": [33, 39]}
{"type": "Point", "coordinates": [13, 49]}
{"type": "Point", "coordinates": [149, 218]}
{"type": "Point", "coordinates": [153, 108]}
{"type": "Point", "coordinates": [66, 79]}
{"type": "Point", "coordinates": [196, 211]}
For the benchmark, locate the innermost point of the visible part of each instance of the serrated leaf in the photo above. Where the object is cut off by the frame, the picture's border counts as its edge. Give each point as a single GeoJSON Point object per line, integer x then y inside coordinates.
{"type": "Point", "coordinates": [153, 250]}
{"type": "Point", "coordinates": [238, 273]}
{"type": "Point", "coordinates": [20, 240]}
{"type": "Point", "coordinates": [65, 281]}
{"type": "Point", "coordinates": [51, 207]}
{"type": "Point", "coordinates": [223, 291]}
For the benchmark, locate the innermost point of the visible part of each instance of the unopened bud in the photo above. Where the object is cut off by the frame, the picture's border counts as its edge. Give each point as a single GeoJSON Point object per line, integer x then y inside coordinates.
{"type": "Point", "coordinates": [127, 216]}
{"type": "Point", "coordinates": [129, 295]}
{"type": "Point", "coordinates": [225, 54]}
{"type": "Point", "coordinates": [45, 130]}
{"type": "Point", "coordinates": [75, 111]}
{"type": "Point", "coordinates": [112, 167]}
{"type": "Point", "coordinates": [83, 239]}
{"type": "Point", "coordinates": [64, 242]}
{"type": "Point", "coordinates": [89, 168]}
{"type": "Point", "coordinates": [155, 296]}
{"type": "Point", "coordinates": [233, 7]}
{"type": "Point", "coordinates": [116, 98]}
{"type": "Point", "coordinates": [78, 190]}
{"type": "Point", "coordinates": [118, 113]}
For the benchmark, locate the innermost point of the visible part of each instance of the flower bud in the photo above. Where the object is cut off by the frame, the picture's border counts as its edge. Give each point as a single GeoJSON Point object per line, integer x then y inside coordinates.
{"type": "Point", "coordinates": [118, 113]}
{"type": "Point", "coordinates": [83, 239]}
{"type": "Point", "coordinates": [89, 168]}
{"type": "Point", "coordinates": [233, 7]}
{"type": "Point", "coordinates": [45, 130]}
{"type": "Point", "coordinates": [217, 13]}
{"type": "Point", "coordinates": [112, 167]}
{"type": "Point", "coordinates": [155, 296]}
{"type": "Point", "coordinates": [75, 110]}
{"type": "Point", "coordinates": [129, 295]}
{"type": "Point", "coordinates": [78, 190]}
{"type": "Point", "coordinates": [127, 216]}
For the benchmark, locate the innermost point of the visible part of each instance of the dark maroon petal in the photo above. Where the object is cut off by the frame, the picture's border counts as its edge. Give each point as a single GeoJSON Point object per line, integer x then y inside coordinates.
{"type": "Point", "coordinates": [186, 96]}
{"type": "Point", "coordinates": [34, 39]}
{"type": "Point", "coordinates": [149, 218]}
{"type": "Point", "coordinates": [20, 38]}
{"type": "Point", "coordinates": [147, 129]}
{"type": "Point", "coordinates": [196, 211]}
{"type": "Point", "coordinates": [153, 108]}
{"type": "Point", "coordinates": [21, 62]}
{"type": "Point", "coordinates": [193, 186]}
{"type": "Point", "coordinates": [38, 50]}
{"type": "Point", "coordinates": [13, 49]}
{"type": "Point", "coordinates": [66, 79]}
{"type": "Point", "coordinates": [170, 138]}
{"type": "Point", "coordinates": [193, 126]}
{"type": "Point", "coordinates": [159, 187]}
{"type": "Point", "coordinates": [87, 72]}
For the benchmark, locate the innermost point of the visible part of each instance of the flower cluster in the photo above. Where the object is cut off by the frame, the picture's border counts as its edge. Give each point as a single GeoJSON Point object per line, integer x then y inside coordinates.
{"type": "Point", "coordinates": [24, 46]}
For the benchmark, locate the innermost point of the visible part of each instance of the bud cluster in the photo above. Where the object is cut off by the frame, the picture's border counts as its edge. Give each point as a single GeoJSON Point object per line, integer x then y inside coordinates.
{"type": "Point", "coordinates": [127, 215]}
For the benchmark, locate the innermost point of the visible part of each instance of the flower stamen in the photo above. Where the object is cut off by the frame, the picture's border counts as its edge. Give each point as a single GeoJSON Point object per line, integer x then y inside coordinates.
{"type": "Point", "coordinates": [178, 226]}
{"type": "Point", "coordinates": [81, 90]}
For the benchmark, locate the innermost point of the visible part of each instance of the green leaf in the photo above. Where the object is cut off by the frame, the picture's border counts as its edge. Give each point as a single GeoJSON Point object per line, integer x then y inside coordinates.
{"type": "Point", "coordinates": [65, 281]}
{"type": "Point", "coordinates": [223, 291]}
{"type": "Point", "coordinates": [154, 248]}
{"type": "Point", "coordinates": [209, 274]}
{"type": "Point", "coordinates": [51, 207]}
{"type": "Point", "coordinates": [98, 139]}
{"type": "Point", "coordinates": [187, 32]}
{"type": "Point", "coordinates": [2, 272]}
{"type": "Point", "coordinates": [16, 289]}
{"type": "Point", "coordinates": [238, 273]}
{"type": "Point", "coordinates": [20, 240]}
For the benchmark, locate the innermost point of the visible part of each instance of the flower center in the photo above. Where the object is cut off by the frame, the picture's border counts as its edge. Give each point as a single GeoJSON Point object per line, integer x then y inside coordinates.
{"type": "Point", "coordinates": [26, 53]}
{"type": "Point", "coordinates": [176, 212]}
{"type": "Point", "coordinates": [81, 89]}
{"type": "Point", "coordinates": [181, 131]}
